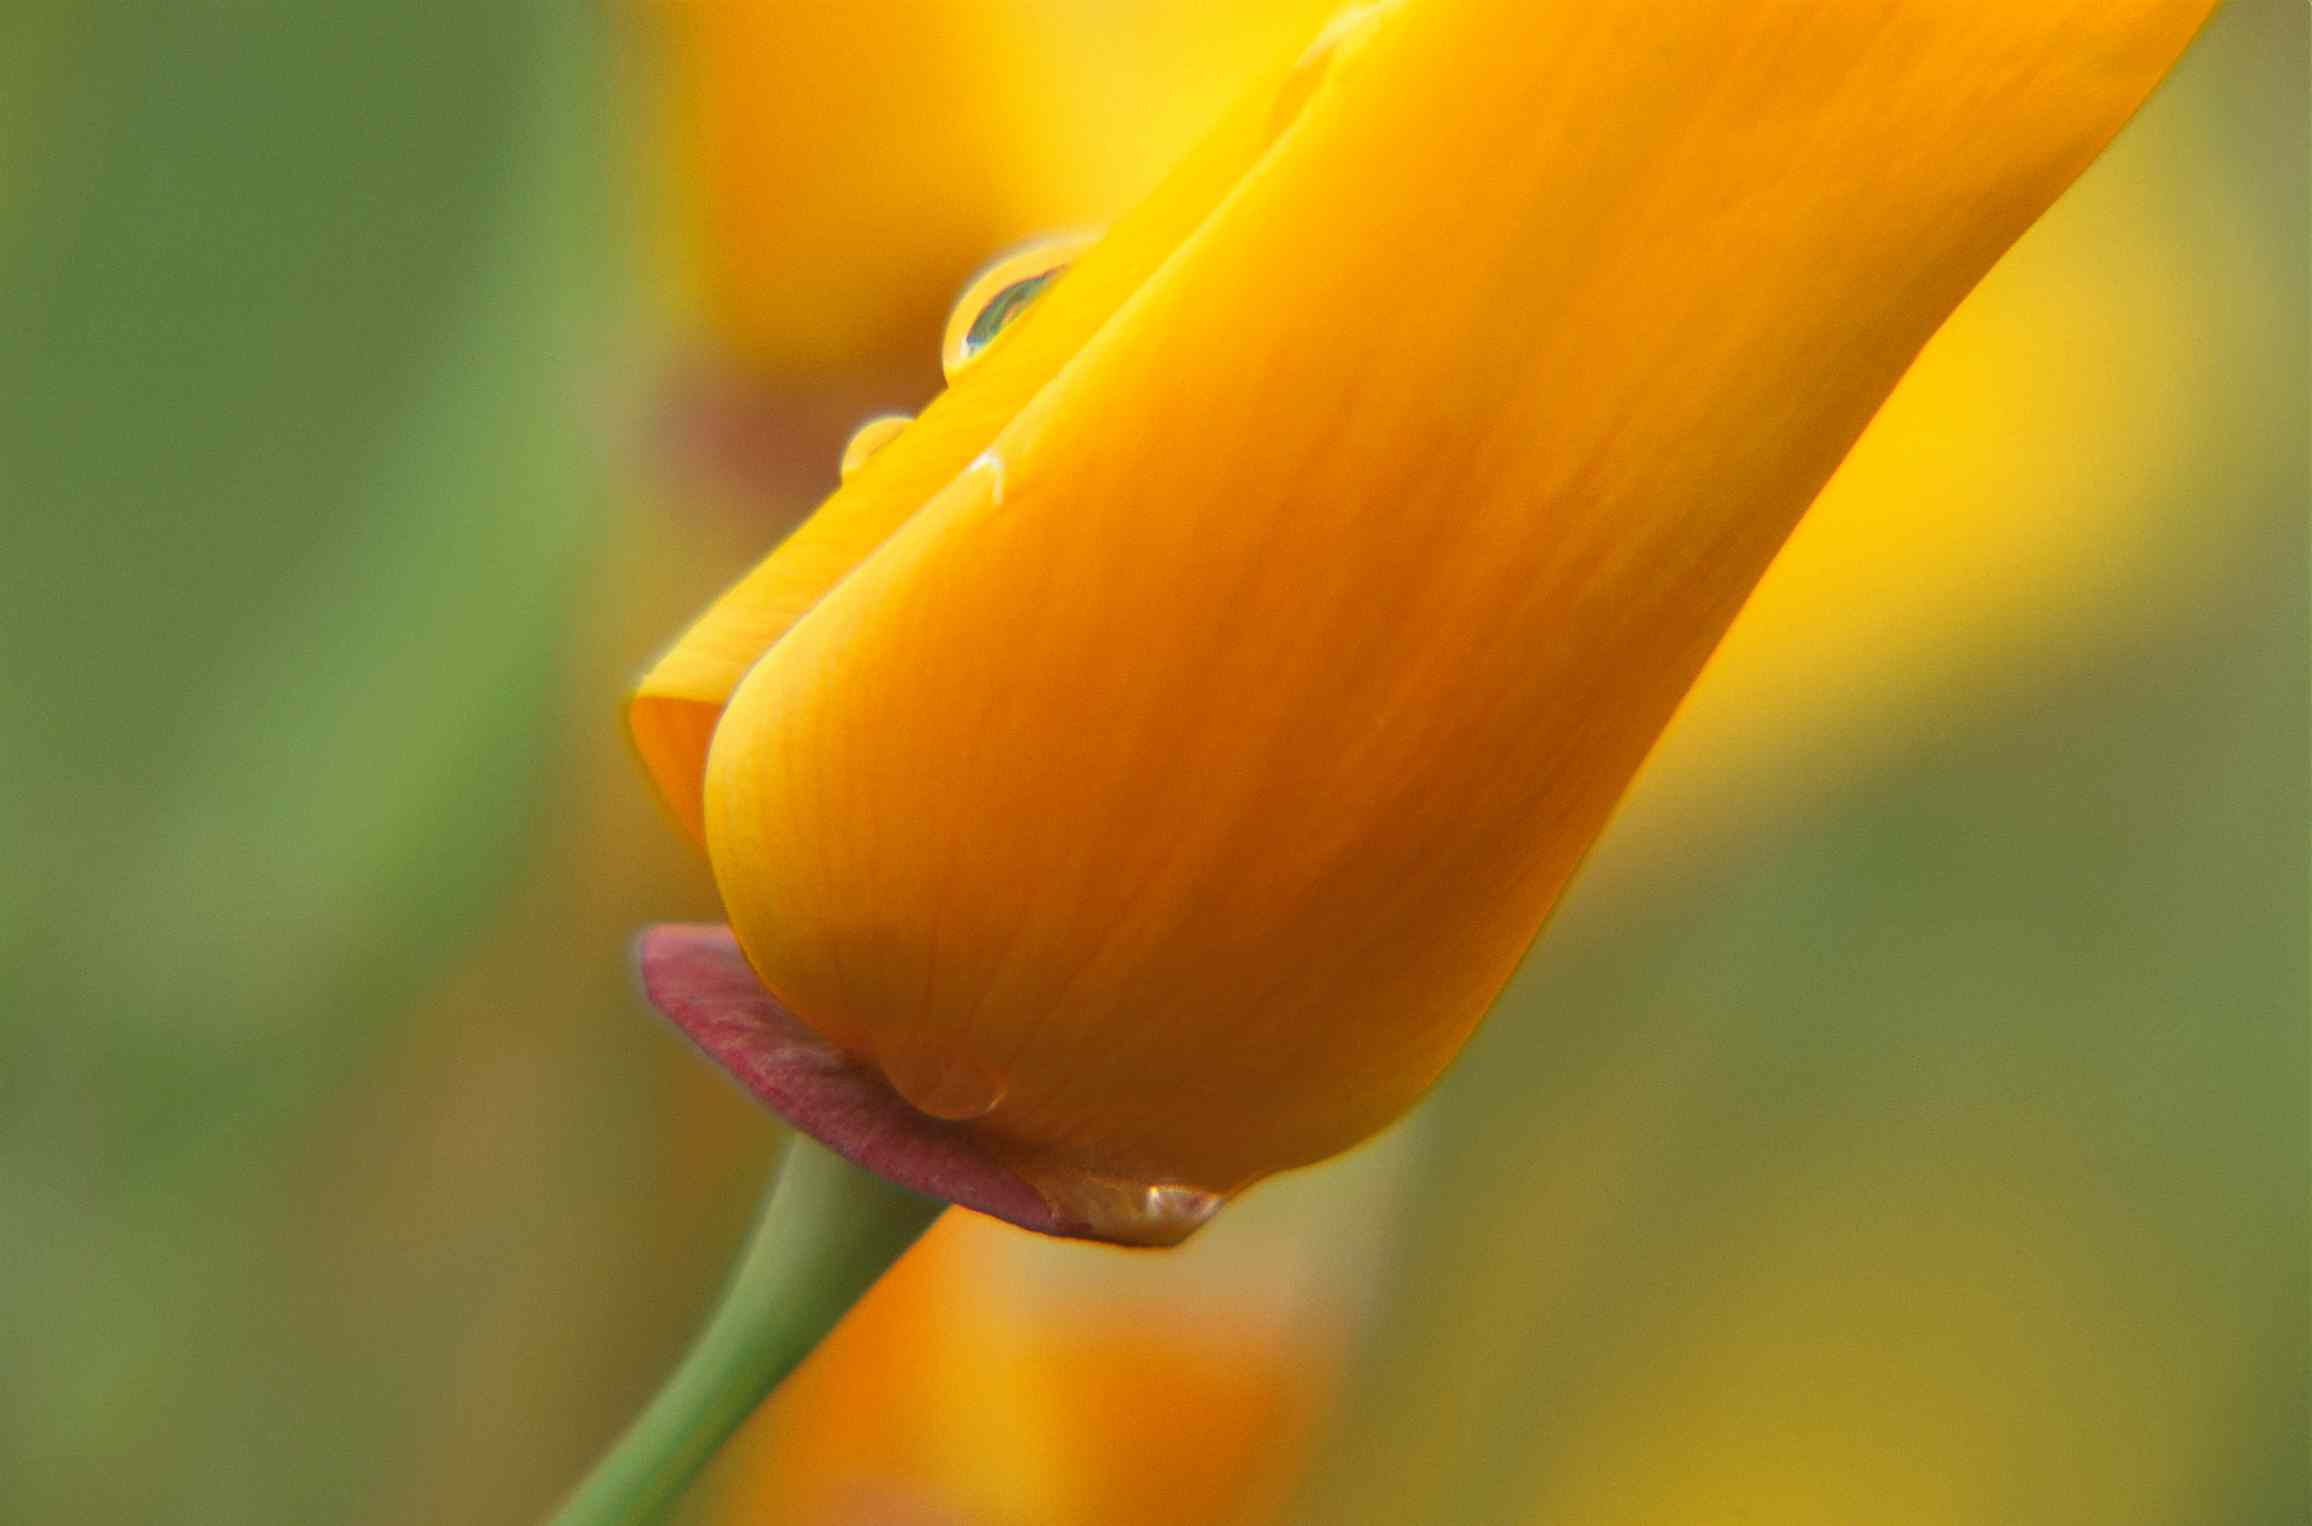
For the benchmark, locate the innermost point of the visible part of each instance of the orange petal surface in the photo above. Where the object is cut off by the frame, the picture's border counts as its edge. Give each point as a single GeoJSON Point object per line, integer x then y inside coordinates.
{"type": "Point", "coordinates": [1159, 755]}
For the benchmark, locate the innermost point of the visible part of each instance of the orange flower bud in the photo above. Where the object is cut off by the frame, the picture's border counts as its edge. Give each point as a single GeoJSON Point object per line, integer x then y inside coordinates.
{"type": "Point", "coordinates": [1155, 758]}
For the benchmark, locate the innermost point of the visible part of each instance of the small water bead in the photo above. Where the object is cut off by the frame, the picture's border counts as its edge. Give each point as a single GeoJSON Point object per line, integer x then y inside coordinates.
{"type": "Point", "coordinates": [1006, 289]}
{"type": "Point", "coordinates": [1125, 1211]}
{"type": "Point", "coordinates": [1174, 1207]}
{"type": "Point", "coordinates": [944, 1085]}
{"type": "Point", "coordinates": [1345, 30]}
{"type": "Point", "coordinates": [871, 437]}
{"type": "Point", "coordinates": [990, 464]}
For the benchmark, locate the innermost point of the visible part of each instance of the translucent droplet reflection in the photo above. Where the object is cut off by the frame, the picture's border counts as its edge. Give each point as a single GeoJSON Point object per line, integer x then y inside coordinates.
{"type": "Point", "coordinates": [1344, 30]}
{"type": "Point", "coordinates": [994, 301]}
{"type": "Point", "coordinates": [871, 437]}
{"type": "Point", "coordinates": [944, 1085]}
{"type": "Point", "coordinates": [1125, 1211]}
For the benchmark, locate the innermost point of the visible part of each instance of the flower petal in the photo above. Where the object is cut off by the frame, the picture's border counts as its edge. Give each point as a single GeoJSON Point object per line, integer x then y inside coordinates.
{"type": "Point", "coordinates": [695, 975]}
{"type": "Point", "coordinates": [675, 707]}
{"type": "Point", "coordinates": [1202, 767]}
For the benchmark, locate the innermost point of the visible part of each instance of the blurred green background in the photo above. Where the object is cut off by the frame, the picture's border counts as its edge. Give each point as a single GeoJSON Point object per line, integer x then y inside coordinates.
{"type": "Point", "coordinates": [1905, 1119]}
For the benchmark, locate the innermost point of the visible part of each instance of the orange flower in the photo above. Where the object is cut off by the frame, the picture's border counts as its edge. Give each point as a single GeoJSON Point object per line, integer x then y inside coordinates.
{"type": "Point", "coordinates": [1158, 755]}
{"type": "Point", "coordinates": [1083, 1392]}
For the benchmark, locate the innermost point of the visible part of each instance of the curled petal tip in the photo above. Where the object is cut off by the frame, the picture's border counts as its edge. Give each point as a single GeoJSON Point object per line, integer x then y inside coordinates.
{"type": "Point", "coordinates": [694, 974]}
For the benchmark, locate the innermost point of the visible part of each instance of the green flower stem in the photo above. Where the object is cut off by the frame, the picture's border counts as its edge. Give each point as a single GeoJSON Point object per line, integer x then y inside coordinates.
{"type": "Point", "coordinates": [828, 1230]}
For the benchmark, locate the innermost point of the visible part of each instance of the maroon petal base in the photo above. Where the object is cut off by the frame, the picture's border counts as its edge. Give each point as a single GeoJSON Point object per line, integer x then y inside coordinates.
{"type": "Point", "coordinates": [695, 975]}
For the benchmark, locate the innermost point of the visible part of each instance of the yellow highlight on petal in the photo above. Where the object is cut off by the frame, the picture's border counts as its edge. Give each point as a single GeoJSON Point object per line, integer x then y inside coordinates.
{"type": "Point", "coordinates": [1367, 503]}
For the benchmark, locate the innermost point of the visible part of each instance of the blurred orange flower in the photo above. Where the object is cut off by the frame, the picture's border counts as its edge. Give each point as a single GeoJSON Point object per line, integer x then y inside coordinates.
{"type": "Point", "coordinates": [953, 1399]}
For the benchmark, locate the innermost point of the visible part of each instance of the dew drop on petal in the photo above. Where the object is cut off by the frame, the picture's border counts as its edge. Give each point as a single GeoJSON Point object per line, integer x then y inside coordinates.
{"type": "Point", "coordinates": [871, 437]}
{"type": "Point", "coordinates": [1126, 1211]}
{"type": "Point", "coordinates": [1345, 29]}
{"type": "Point", "coordinates": [989, 462]}
{"type": "Point", "coordinates": [944, 1085]}
{"type": "Point", "coordinates": [1177, 1207]}
{"type": "Point", "coordinates": [1006, 289]}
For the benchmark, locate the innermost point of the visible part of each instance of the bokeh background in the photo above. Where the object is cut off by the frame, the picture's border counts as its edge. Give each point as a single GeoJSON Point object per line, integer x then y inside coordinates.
{"type": "Point", "coordinates": [1905, 1120]}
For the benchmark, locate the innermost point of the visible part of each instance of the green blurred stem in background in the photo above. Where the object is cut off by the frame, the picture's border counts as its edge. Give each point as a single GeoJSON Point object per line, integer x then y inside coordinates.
{"type": "Point", "coordinates": [827, 1231]}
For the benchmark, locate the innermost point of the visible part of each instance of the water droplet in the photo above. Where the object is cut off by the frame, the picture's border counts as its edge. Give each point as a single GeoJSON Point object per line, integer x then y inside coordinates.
{"type": "Point", "coordinates": [1130, 1212]}
{"type": "Point", "coordinates": [944, 1084]}
{"type": "Point", "coordinates": [871, 437]}
{"type": "Point", "coordinates": [1345, 30]}
{"type": "Point", "coordinates": [991, 463]}
{"type": "Point", "coordinates": [1178, 1205]}
{"type": "Point", "coordinates": [1006, 289]}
